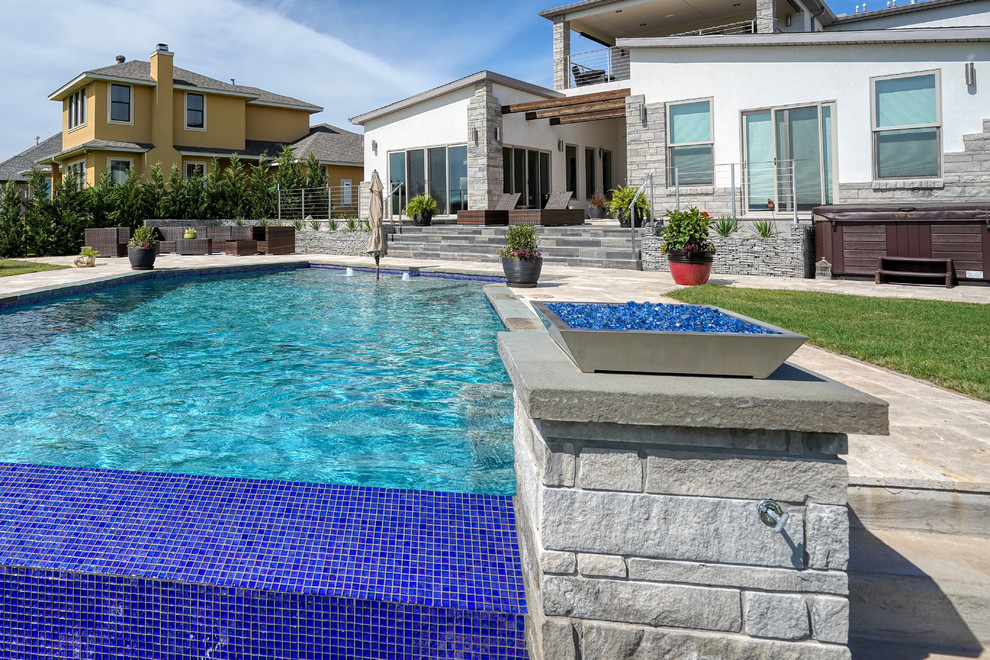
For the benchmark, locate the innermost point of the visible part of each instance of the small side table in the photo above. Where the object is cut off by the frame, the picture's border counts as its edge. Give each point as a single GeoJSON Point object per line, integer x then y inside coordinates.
{"type": "Point", "coordinates": [241, 248]}
{"type": "Point", "coordinates": [194, 246]}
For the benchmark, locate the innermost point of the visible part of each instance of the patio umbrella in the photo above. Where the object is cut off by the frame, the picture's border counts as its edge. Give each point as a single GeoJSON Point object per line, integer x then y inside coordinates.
{"type": "Point", "coordinates": [377, 243]}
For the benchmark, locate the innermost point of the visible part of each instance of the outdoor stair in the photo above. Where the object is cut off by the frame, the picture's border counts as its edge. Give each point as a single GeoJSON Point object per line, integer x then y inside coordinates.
{"type": "Point", "coordinates": [591, 246]}
{"type": "Point", "coordinates": [919, 574]}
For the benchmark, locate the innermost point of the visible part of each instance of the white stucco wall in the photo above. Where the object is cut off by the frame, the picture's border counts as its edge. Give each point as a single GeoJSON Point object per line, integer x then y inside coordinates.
{"type": "Point", "coordinates": [971, 13]}
{"type": "Point", "coordinates": [435, 122]}
{"type": "Point", "coordinates": [749, 78]}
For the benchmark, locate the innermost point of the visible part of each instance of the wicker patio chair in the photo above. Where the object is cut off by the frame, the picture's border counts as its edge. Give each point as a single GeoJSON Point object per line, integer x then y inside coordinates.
{"type": "Point", "coordinates": [554, 214]}
{"type": "Point", "coordinates": [108, 241]}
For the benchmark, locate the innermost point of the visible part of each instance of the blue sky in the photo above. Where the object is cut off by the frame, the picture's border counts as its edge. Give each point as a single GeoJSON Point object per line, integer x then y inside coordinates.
{"type": "Point", "coordinates": [348, 57]}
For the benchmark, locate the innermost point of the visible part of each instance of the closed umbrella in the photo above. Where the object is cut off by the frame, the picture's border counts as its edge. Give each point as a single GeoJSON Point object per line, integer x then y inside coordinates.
{"type": "Point", "coordinates": [377, 243]}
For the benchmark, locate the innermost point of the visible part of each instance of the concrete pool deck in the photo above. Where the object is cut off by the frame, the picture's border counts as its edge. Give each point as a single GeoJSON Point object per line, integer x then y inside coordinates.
{"type": "Point", "coordinates": [939, 440]}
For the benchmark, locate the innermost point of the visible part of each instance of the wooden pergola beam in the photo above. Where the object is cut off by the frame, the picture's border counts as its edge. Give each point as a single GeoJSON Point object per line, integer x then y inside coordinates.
{"type": "Point", "coordinates": [584, 108]}
{"type": "Point", "coordinates": [566, 101]}
{"type": "Point", "coordinates": [588, 116]}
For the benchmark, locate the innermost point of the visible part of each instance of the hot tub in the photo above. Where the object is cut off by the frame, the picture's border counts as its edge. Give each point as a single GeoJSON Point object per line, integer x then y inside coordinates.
{"type": "Point", "coordinates": [853, 237]}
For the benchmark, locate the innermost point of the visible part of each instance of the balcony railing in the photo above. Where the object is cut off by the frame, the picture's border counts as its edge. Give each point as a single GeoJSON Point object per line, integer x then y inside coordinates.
{"type": "Point", "coordinates": [598, 66]}
{"type": "Point", "coordinates": [741, 27]}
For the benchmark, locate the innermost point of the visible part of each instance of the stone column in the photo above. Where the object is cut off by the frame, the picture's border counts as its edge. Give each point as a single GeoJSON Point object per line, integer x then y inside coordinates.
{"type": "Point", "coordinates": [637, 514]}
{"type": "Point", "coordinates": [364, 200]}
{"type": "Point", "coordinates": [646, 141]}
{"type": "Point", "coordinates": [561, 52]}
{"type": "Point", "coordinates": [485, 174]}
{"type": "Point", "coordinates": [766, 16]}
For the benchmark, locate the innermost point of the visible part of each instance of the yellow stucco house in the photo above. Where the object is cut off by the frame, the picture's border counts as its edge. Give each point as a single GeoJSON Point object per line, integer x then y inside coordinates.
{"type": "Point", "coordinates": [136, 114]}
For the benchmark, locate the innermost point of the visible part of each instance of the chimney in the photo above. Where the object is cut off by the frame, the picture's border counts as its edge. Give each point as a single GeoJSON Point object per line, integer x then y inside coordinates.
{"type": "Point", "coordinates": [162, 127]}
{"type": "Point", "coordinates": [121, 59]}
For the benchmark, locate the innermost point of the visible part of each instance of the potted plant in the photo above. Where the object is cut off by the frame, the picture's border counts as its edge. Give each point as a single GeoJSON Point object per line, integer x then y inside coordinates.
{"type": "Point", "coordinates": [521, 260]}
{"type": "Point", "coordinates": [421, 209]}
{"type": "Point", "coordinates": [87, 258]}
{"type": "Point", "coordinates": [622, 197]}
{"type": "Point", "coordinates": [142, 249]}
{"type": "Point", "coordinates": [689, 250]}
{"type": "Point", "coordinates": [189, 233]}
{"type": "Point", "coordinates": [596, 206]}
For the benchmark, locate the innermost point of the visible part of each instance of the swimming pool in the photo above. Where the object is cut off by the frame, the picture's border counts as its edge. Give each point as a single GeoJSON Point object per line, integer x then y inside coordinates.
{"type": "Point", "coordinates": [300, 375]}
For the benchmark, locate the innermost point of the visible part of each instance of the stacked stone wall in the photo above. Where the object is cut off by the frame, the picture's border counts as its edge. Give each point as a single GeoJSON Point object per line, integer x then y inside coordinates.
{"type": "Point", "coordinates": [485, 175]}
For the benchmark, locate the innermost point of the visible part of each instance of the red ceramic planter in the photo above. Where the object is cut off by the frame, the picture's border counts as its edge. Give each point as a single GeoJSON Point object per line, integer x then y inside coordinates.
{"type": "Point", "coordinates": [690, 271]}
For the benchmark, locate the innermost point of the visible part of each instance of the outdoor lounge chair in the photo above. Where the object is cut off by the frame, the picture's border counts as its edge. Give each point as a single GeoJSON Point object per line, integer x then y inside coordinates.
{"type": "Point", "coordinates": [108, 241]}
{"type": "Point", "coordinates": [275, 240]}
{"type": "Point", "coordinates": [587, 76]}
{"type": "Point", "coordinates": [497, 216]}
{"type": "Point", "coordinates": [554, 214]}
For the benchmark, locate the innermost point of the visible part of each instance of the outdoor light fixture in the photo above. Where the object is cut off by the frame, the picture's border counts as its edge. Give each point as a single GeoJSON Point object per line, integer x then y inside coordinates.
{"type": "Point", "coordinates": [601, 152]}
{"type": "Point", "coordinates": [496, 133]}
{"type": "Point", "coordinates": [374, 146]}
{"type": "Point", "coordinates": [970, 73]}
{"type": "Point", "coordinates": [560, 145]}
{"type": "Point", "coordinates": [642, 113]}
{"type": "Point", "coordinates": [474, 133]}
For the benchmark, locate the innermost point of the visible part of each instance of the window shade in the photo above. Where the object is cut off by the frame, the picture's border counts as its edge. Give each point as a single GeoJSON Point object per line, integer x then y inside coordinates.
{"type": "Point", "coordinates": [760, 174]}
{"type": "Point", "coordinates": [694, 165]}
{"type": "Point", "coordinates": [908, 153]}
{"type": "Point", "coordinates": [905, 101]}
{"type": "Point", "coordinates": [690, 122]}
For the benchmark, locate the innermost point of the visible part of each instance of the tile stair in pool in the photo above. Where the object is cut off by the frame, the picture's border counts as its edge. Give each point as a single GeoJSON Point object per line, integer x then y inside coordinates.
{"type": "Point", "coordinates": [105, 563]}
{"type": "Point", "coordinates": [590, 246]}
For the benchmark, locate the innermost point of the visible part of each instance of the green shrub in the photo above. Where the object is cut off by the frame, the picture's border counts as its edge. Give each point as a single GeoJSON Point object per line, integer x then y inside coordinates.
{"type": "Point", "coordinates": [687, 231]}
{"type": "Point", "coordinates": [520, 242]}
{"type": "Point", "coordinates": [726, 227]}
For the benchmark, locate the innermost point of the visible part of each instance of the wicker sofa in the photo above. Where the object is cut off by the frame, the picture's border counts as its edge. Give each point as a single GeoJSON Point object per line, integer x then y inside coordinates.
{"type": "Point", "coordinates": [108, 241]}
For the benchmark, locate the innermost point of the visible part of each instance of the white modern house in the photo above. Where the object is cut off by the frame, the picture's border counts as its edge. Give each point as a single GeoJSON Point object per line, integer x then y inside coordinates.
{"type": "Point", "coordinates": [752, 107]}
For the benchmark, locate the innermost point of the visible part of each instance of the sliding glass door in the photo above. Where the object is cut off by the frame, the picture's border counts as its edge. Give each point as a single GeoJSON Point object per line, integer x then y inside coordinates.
{"type": "Point", "coordinates": [789, 158]}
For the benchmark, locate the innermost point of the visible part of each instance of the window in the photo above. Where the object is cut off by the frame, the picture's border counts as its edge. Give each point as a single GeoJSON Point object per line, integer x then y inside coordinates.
{"type": "Point", "coordinates": [120, 104]}
{"type": "Point", "coordinates": [75, 174]}
{"type": "Point", "coordinates": [589, 173]}
{"type": "Point", "coordinates": [570, 168]}
{"type": "Point", "coordinates": [526, 171]}
{"type": "Point", "coordinates": [689, 143]}
{"type": "Point", "coordinates": [76, 109]}
{"type": "Point", "coordinates": [608, 181]}
{"type": "Point", "coordinates": [346, 196]}
{"type": "Point", "coordinates": [118, 169]}
{"type": "Point", "coordinates": [195, 111]}
{"type": "Point", "coordinates": [439, 171]}
{"type": "Point", "coordinates": [195, 170]}
{"type": "Point", "coordinates": [907, 126]}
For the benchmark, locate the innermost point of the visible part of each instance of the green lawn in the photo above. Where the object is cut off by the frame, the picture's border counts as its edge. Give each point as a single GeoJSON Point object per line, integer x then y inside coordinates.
{"type": "Point", "coordinates": [14, 267]}
{"type": "Point", "coordinates": [943, 342]}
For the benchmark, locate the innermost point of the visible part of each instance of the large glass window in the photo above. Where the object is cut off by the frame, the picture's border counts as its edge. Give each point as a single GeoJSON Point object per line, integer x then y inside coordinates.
{"type": "Point", "coordinates": [527, 171]}
{"type": "Point", "coordinates": [120, 103]}
{"type": "Point", "coordinates": [906, 126]}
{"type": "Point", "coordinates": [689, 143]}
{"type": "Point", "coordinates": [195, 111]}
{"type": "Point", "coordinates": [118, 170]}
{"type": "Point", "coordinates": [589, 173]}
{"type": "Point", "coordinates": [608, 178]}
{"type": "Point", "coordinates": [76, 108]}
{"type": "Point", "coordinates": [457, 178]}
{"type": "Point", "coordinates": [439, 171]}
{"type": "Point", "coordinates": [438, 176]}
{"type": "Point", "coordinates": [570, 158]}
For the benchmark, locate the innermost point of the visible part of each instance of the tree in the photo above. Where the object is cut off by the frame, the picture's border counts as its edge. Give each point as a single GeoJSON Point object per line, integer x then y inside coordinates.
{"type": "Point", "coordinates": [261, 191]}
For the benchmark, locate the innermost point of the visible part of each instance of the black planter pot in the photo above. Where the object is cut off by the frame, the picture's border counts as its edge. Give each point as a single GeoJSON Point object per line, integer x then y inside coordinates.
{"type": "Point", "coordinates": [141, 258]}
{"type": "Point", "coordinates": [522, 273]}
{"type": "Point", "coordinates": [624, 218]}
{"type": "Point", "coordinates": [423, 219]}
{"type": "Point", "coordinates": [596, 213]}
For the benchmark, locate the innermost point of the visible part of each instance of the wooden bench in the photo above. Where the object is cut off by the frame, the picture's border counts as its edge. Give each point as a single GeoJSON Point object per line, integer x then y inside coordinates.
{"type": "Point", "coordinates": [913, 269]}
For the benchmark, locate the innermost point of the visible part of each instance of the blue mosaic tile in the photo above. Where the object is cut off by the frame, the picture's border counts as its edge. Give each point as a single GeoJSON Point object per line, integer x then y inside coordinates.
{"type": "Point", "coordinates": [107, 563]}
{"type": "Point", "coordinates": [418, 273]}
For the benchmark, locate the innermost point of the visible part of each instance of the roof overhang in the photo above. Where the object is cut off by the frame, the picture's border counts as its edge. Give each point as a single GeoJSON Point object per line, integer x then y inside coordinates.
{"type": "Point", "coordinates": [606, 21]}
{"type": "Point", "coordinates": [574, 109]}
{"type": "Point", "coordinates": [207, 90]}
{"type": "Point", "coordinates": [467, 81]}
{"type": "Point", "coordinates": [84, 78]}
{"type": "Point", "coordinates": [311, 109]}
{"type": "Point", "coordinates": [876, 14]}
{"type": "Point", "coordinates": [847, 38]}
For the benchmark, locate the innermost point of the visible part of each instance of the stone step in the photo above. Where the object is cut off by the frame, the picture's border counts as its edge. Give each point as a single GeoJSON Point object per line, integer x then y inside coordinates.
{"type": "Point", "coordinates": [923, 510]}
{"type": "Point", "coordinates": [455, 239]}
{"type": "Point", "coordinates": [619, 264]}
{"type": "Point", "coordinates": [550, 253]}
{"type": "Point", "coordinates": [927, 591]}
{"type": "Point", "coordinates": [107, 563]}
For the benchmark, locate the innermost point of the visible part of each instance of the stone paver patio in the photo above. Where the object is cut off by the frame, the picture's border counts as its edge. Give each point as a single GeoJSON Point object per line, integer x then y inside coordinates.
{"type": "Point", "coordinates": [939, 439]}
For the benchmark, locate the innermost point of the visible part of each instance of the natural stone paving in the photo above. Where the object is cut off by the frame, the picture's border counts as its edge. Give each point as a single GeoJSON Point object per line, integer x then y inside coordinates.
{"type": "Point", "coordinates": [939, 439]}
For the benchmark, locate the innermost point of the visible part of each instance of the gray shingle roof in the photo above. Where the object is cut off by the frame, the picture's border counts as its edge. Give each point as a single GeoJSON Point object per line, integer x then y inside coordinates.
{"type": "Point", "coordinates": [11, 169]}
{"type": "Point", "coordinates": [108, 145]}
{"type": "Point", "coordinates": [140, 71]}
{"type": "Point", "coordinates": [331, 145]}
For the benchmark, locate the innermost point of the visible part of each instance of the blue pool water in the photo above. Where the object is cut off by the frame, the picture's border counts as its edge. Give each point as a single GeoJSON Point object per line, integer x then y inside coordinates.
{"type": "Point", "coordinates": [302, 375]}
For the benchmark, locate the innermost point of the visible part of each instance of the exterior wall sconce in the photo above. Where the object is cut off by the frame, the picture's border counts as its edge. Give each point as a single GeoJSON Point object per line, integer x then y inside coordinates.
{"type": "Point", "coordinates": [497, 133]}
{"type": "Point", "coordinates": [374, 146]}
{"type": "Point", "coordinates": [970, 73]}
{"type": "Point", "coordinates": [474, 134]}
{"type": "Point", "coordinates": [560, 145]}
{"type": "Point", "coordinates": [642, 113]}
{"type": "Point", "coordinates": [601, 152]}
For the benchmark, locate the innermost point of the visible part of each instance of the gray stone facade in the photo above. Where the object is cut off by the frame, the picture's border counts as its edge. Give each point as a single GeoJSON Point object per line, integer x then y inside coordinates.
{"type": "Point", "coordinates": [339, 242]}
{"type": "Point", "coordinates": [788, 254]}
{"type": "Point", "coordinates": [966, 178]}
{"type": "Point", "coordinates": [484, 157]}
{"type": "Point", "coordinates": [561, 53]}
{"type": "Point", "coordinates": [766, 16]}
{"type": "Point", "coordinates": [645, 141]}
{"type": "Point", "coordinates": [642, 540]}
